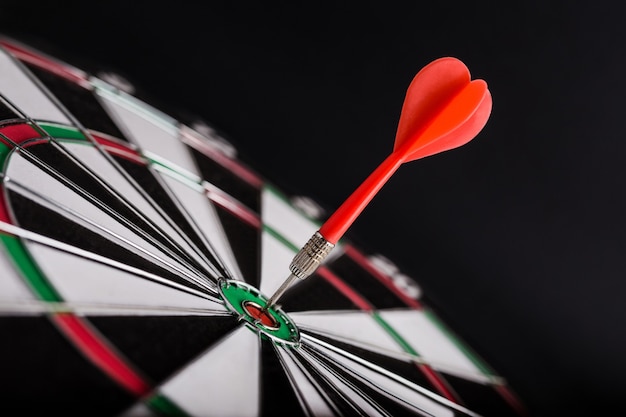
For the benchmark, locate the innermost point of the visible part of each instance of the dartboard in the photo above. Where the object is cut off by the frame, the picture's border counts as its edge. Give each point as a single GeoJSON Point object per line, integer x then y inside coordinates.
{"type": "Point", "coordinates": [137, 251]}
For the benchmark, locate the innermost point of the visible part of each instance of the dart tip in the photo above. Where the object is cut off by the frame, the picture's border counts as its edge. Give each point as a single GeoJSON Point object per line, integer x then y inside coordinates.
{"type": "Point", "coordinates": [278, 293]}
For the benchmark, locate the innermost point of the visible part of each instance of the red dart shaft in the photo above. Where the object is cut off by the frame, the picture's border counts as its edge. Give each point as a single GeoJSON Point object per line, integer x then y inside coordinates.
{"type": "Point", "coordinates": [337, 224]}
{"type": "Point", "coordinates": [322, 242]}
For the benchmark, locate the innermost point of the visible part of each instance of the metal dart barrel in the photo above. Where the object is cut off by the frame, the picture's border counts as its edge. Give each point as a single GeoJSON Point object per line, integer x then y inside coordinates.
{"type": "Point", "coordinates": [304, 264]}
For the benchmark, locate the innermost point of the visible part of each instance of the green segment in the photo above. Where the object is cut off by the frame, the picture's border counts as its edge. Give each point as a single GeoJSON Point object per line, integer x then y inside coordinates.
{"type": "Point", "coordinates": [395, 335]}
{"type": "Point", "coordinates": [470, 355]}
{"type": "Point", "coordinates": [269, 187]}
{"type": "Point", "coordinates": [4, 152]}
{"type": "Point", "coordinates": [282, 239]}
{"type": "Point", "coordinates": [29, 269]}
{"type": "Point", "coordinates": [388, 328]}
{"type": "Point", "coordinates": [61, 131]}
{"type": "Point", "coordinates": [165, 407]}
{"type": "Point", "coordinates": [236, 293]}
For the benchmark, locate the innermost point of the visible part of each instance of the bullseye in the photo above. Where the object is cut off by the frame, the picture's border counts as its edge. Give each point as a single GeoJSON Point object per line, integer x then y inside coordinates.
{"type": "Point", "coordinates": [247, 303]}
{"type": "Point", "coordinates": [264, 318]}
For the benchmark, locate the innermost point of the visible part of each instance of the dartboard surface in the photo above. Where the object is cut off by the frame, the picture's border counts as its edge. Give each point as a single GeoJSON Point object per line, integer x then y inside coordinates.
{"type": "Point", "coordinates": [134, 248]}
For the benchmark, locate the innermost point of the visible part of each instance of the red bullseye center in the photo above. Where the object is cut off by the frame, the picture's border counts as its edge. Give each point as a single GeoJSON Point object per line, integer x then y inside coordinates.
{"type": "Point", "coordinates": [255, 311]}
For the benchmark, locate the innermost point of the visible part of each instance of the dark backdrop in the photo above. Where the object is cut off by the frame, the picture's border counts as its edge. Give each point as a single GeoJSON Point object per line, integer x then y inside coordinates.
{"type": "Point", "coordinates": [517, 238]}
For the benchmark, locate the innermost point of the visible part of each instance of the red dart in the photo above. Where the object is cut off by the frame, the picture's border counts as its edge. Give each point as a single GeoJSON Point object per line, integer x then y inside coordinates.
{"type": "Point", "coordinates": [443, 109]}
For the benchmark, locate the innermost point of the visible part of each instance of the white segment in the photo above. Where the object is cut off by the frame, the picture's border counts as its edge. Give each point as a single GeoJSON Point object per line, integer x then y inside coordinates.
{"type": "Point", "coordinates": [29, 175]}
{"type": "Point", "coordinates": [223, 382]}
{"type": "Point", "coordinates": [106, 171]}
{"type": "Point", "coordinates": [202, 212]}
{"type": "Point", "coordinates": [80, 280]}
{"type": "Point", "coordinates": [154, 135]}
{"type": "Point", "coordinates": [138, 410]}
{"type": "Point", "coordinates": [376, 378]}
{"type": "Point", "coordinates": [275, 259]}
{"type": "Point", "coordinates": [346, 389]}
{"type": "Point", "coordinates": [12, 285]}
{"type": "Point", "coordinates": [20, 90]}
{"type": "Point", "coordinates": [430, 342]}
{"type": "Point", "coordinates": [305, 386]}
{"type": "Point", "coordinates": [286, 220]}
{"type": "Point", "coordinates": [350, 326]}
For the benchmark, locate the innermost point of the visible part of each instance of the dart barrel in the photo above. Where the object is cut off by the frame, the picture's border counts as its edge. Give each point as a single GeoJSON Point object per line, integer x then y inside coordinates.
{"type": "Point", "coordinates": [310, 256]}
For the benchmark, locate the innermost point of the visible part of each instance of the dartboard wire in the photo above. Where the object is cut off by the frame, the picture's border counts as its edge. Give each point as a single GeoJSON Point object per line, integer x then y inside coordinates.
{"type": "Point", "coordinates": [332, 365]}
{"type": "Point", "coordinates": [281, 353]}
{"type": "Point", "coordinates": [363, 304]}
{"type": "Point", "coordinates": [69, 184]}
{"type": "Point", "coordinates": [101, 309]}
{"type": "Point", "coordinates": [313, 363]}
{"type": "Point", "coordinates": [177, 252]}
{"type": "Point", "coordinates": [298, 393]}
{"type": "Point", "coordinates": [107, 209]}
{"type": "Point", "coordinates": [215, 266]}
{"type": "Point", "coordinates": [104, 232]}
{"type": "Point", "coordinates": [223, 269]}
{"type": "Point", "coordinates": [222, 272]}
{"type": "Point", "coordinates": [28, 235]}
{"type": "Point", "coordinates": [490, 379]}
{"type": "Point", "coordinates": [22, 233]}
{"type": "Point", "coordinates": [97, 85]}
{"type": "Point", "coordinates": [310, 343]}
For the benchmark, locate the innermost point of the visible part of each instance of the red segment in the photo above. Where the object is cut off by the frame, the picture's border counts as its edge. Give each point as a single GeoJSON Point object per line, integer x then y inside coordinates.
{"type": "Point", "coordinates": [362, 260]}
{"type": "Point", "coordinates": [27, 55]}
{"type": "Point", "coordinates": [19, 133]}
{"type": "Point", "coordinates": [433, 376]}
{"type": "Point", "coordinates": [255, 311]}
{"type": "Point", "coordinates": [118, 149]}
{"type": "Point", "coordinates": [232, 165]}
{"type": "Point", "coordinates": [233, 206]}
{"type": "Point", "coordinates": [513, 401]}
{"type": "Point", "coordinates": [345, 289]}
{"type": "Point", "coordinates": [102, 355]}
{"type": "Point", "coordinates": [4, 213]}
{"type": "Point", "coordinates": [438, 382]}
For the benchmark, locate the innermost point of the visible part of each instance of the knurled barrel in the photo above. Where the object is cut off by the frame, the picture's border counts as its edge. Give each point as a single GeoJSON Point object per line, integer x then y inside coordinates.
{"type": "Point", "coordinates": [310, 256]}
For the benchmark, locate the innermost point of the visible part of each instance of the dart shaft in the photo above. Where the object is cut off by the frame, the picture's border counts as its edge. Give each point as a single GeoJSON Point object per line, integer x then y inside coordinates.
{"type": "Point", "coordinates": [323, 241]}
{"type": "Point", "coordinates": [339, 222]}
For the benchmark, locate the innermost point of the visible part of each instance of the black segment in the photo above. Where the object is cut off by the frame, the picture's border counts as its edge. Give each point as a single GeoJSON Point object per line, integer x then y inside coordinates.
{"type": "Point", "coordinates": [315, 293]}
{"type": "Point", "coordinates": [76, 176]}
{"type": "Point", "coordinates": [80, 102]}
{"type": "Point", "coordinates": [36, 218]}
{"type": "Point", "coordinates": [52, 374]}
{"type": "Point", "coordinates": [483, 399]}
{"type": "Point", "coordinates": [340, 402]}
{"type": "Point", "coordinates": [160, 345]}
{"type": "Point", "coordinates": [228, 181]}
{"type": "Point", "coordinates": [277, 394]}
{"type": "Point", "coordinates": [374, 291]}
{"type": "Point", "coordinates": [145, 178]}
{"type": "Point", "coordinates": [366, 388]}
{"type": "Point", "coordinates": [403, 368]}
{"type": "Point", "coordinates": [245, 241]}
{"type": "Point", "coordinates": [6, 112]}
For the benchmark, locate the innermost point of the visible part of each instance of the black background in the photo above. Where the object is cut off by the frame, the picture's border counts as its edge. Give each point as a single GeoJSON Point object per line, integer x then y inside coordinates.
{"type": "Point", "coordinates": [517, 238]}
